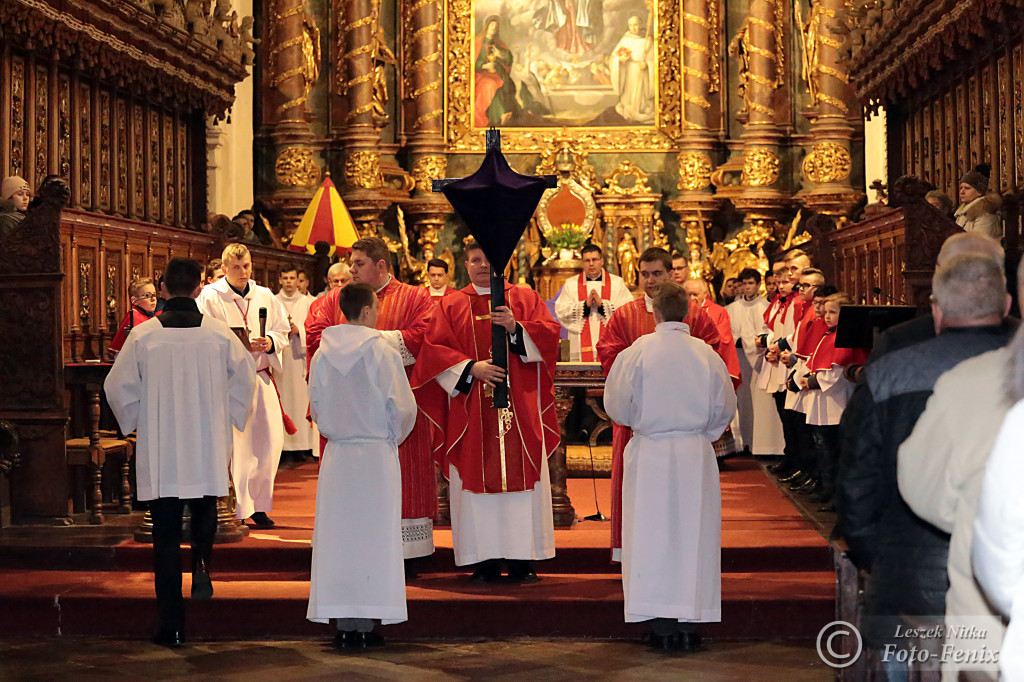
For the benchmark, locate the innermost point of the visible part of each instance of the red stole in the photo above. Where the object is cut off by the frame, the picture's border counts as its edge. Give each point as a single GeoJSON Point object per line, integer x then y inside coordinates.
{"type": "Point", "coordinates": [587, 352]}
{"type": "Point", "coordinates": [467, 424]}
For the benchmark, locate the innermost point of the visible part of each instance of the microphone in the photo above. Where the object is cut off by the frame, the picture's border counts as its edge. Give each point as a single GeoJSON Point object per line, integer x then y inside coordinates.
{"type": "Point", "coordinates": [593, 479]}
{"type": "Point", "coordinates": [877, 291]}
{"type": "Point", "coordinates": [263, 323]}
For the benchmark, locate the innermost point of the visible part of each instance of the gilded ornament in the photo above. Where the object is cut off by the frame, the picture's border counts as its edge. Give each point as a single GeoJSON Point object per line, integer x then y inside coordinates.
{"type": "Point", "coordinates": [827, 162]}
{"type": "Point", "coordinates": [295, 167]}
{"type": "Point", "coordinates": [362, 169]}
{"type": "Point", "coordinates": [760, 168]}
{"type": "Point", "coordinates": [626, 169]}
{"type": "Point", "coordinates": [694, 171]}
{"type": "Point", "coordinates": [429, 168]}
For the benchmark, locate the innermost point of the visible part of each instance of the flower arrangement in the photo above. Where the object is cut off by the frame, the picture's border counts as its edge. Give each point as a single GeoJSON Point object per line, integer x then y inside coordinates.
{"type": "Point", "coordinates": [567, 236]}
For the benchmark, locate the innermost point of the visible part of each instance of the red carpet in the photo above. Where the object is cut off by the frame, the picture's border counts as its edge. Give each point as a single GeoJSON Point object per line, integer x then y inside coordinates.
{"type": "Point", "coordinates": [777, 578]}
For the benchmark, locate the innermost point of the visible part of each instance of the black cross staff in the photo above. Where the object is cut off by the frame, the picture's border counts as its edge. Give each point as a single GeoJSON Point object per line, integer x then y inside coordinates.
{"type": "Point", "coordinates": [496, 203]}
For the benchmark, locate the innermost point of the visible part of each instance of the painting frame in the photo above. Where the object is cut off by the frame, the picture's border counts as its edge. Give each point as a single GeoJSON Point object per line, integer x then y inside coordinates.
{"type": "Point", "coordinates": [461, 134]}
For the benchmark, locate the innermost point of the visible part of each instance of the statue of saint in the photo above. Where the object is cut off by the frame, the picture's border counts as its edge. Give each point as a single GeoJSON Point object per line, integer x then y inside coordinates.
{"type": "Point", "coordinates": [628, 257]}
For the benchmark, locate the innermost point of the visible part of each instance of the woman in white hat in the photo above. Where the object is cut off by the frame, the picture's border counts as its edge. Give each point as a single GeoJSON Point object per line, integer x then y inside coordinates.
{"type": "Point", "coordinates": [14, 197]}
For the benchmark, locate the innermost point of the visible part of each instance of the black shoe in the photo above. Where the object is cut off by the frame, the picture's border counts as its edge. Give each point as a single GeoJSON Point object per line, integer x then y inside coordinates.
{"type": "Point", "coordinates": [689, 642]}
{"type": "Point", "coordinates": [411, 572]}
{"type": "Point", "coordinates": [670, 642]}
{"type": "Point", "coordinates": [522, 572]}
{"type": "Point", "coordinates": [170, 637]}
{"type": "Point", "coordinates": [829, 508]}
{"type": "Point", "coordinates": [202, 586]}
{"type": "Point", "coordinates": [346, 639]}
{"type": "Point", "coordinates": [821, 497]}
{"type": "Point", "coordinates": [779, 468]}
{"type": "Point", "coordinates": [370, 639]}
{"type": "Point", "coordinates": [802, 484]}
{"type": "Point", "coordinates": [487, 572]}
{"type": "Point", "coordinates": [810, 488]}
{"type": "Point", "coordinates": [261, 520]}
{"type": "Point", "coordinates": [790, 475]}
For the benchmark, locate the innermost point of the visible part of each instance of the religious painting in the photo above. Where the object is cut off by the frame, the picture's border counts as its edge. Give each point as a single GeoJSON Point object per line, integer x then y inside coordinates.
{"type": "Point", "coordinates": [537, 67]}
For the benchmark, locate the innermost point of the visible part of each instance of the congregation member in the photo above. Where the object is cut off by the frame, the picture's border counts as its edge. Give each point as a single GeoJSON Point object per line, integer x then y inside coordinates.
{"type": "Point", "coordinates": [757, 426]}
{"type": "Point", "coordinates": [338, 275]}
{"type": "Point", "coordinates": [142, 296]}
{"type": "Point", "coordinates": [998, 548]}
{"type": "Point", "coordinates": [905, 555]}
{"type": "Point", "coordinates": [303, 283]}
{"type": "Point", "coordinates": [15, 196]}
{"type": "Point", "coordinates": [360, 396]}
{"type": "Point", "coordinates": [979, 208]}
{"type": "Point", "coordinates": [438, 279]}
{"type": "Point", "coordinates": [496, 461]}
{"type": "Point", "coordinates": [586, 303]}
{"type": "Point", "coordinates": [182, 381]}
{"type": "Point", "coordinates": [291, 379]}
{"type": "Point", "coordinates": [238, 301]}
{"type": "Point", "coordinates": [676, 395]}
{"type": "Point", "coordinates": [730, 290]}
{"type": "Point", "coordinates": [626, 325]}
{"type": "Point", "coordinates": [942, 464]}
{"type": "Point", "coordinates": [402, 318]}
{"type": "Point", "coordinates": [214, 271]}
{"type": "Point", "coordinates": [827, 386]}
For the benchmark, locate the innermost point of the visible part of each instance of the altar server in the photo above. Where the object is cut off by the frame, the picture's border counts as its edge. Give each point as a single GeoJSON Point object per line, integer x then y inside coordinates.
{"type": "Point", "coordinates": [360, 397]}
{"type": "Point", "coordinates": [237, 301]}
{"type": "Point", "coordinates": [675, 392]}
{"type": "Point", "coordinates": [182, 380]}
{"type": "Point", "coordinates": [586, 303]}
{"type": "Point", "coordinates": [291, 380]}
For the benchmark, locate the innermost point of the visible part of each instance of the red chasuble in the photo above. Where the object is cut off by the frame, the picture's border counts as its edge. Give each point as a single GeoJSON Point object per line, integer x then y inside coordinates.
{"type": "Point", "coordinates": [407, 309]}
{"type": "Point", "coordinates": [626, 325]}
{"type": "Point", "coordinates": [466, 433]}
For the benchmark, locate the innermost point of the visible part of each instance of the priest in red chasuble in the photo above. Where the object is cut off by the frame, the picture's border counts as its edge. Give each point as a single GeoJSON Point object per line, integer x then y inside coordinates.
{"type": "Point", "coordinates": [402, 318]}
{"type": "Point", "coordinates": [628, 324]}
{"type": "Point", "coordinates": [495, 459]}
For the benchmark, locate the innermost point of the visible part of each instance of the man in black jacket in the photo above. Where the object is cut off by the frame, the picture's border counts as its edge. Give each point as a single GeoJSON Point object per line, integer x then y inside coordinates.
{"type": "Point", "coordinates": [904, 556]}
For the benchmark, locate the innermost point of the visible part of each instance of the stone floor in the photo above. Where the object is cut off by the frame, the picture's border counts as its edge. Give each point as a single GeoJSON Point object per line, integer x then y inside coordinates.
{"type": "Point", "coordinates": [528, 659]}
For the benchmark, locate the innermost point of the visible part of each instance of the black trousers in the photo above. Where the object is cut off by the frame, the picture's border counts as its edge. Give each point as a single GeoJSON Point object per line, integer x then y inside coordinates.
{"type": "Point", "coordinates": [826, 449]}
{"type": "Point", "coordinates": [167, 513]}
{"type": "Point", "coordinates": [791, 421]}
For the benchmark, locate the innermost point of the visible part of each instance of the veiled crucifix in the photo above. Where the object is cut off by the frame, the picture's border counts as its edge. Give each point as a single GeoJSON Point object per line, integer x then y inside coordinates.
{"type": "Point", "coordinates": [496, 204]}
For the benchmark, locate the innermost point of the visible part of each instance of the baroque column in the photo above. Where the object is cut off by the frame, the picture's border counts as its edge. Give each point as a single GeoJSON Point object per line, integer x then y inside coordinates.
{"type": "Point", "coordinates": [361, 80]}
{"type": "Point", "coordinates": [702, 26]}
{"type": "Point", "coordinates": [827, 164]}
{"type": "Point", "coordinates": [422, 22]}
{"type": "Point", "coordinates": [760, 46]}
{"type": "Point", "coordinates": [293, 67]}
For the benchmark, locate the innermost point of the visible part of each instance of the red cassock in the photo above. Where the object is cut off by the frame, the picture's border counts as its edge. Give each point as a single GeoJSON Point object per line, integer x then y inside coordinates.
{"type": "Point", "coordinates": [407, 309]}
{"type": "Point", "coordinates": [626, 325]}
{"type": "Point", "coordinates": [467, 424]}
{"type": "Point", "coordinates": [133, 319]}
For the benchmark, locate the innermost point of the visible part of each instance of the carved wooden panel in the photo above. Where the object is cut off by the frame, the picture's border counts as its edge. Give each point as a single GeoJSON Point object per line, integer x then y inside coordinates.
{"type": "Point", "coordinates": [153, 166]}
{"type": "Point", "coordinates": [114, 288]}
{"type": "Point", "coordinates": [184, 180]}
{"type": "Point", "coordinates": [41, 144]}
{"type": "Point", "coordinates": [17, 129]}
{"type": "Point", "coordinates": [105, 146]}
{"type": "Point", "coordinates": [138, 169]}
{"type": "Point", "coordinates": [167, 170]}
{"type": "Point", "coordinates": [64, 127]}
{"type": "Point", "coordinates": [84, 106]}
{"type": "Point", "coordinates": [85, 272]}
{"type": "Point", "coordinates": [120, 174]}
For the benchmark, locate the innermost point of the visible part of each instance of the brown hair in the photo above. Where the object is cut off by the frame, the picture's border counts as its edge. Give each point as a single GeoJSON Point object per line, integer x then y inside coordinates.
{"type": "Point", "coordinates": [375, 248]}
{"type": "Point", "coordinates": [212, 267]}
{"type": "Point", "coordinates": [841, 297]}
{"type": "Point", "coordinates": [135, 288]}
{"type": "Point", "coordinates": [672, 301]}
{"type": "Point", "coordinates": [656, 255]}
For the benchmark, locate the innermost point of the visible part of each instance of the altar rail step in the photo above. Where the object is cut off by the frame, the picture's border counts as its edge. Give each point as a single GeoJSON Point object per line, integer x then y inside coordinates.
{"type": "Point", "coordinates": [763, 605]}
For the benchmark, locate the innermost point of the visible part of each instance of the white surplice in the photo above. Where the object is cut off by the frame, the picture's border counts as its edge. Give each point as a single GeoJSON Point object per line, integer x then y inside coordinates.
{"type": "Point", "coordinates": [291, 380]}
{"type": "Point", "coordinates": [675, 393]}
{"type": "Point", "coordinates": [516, 526]}
{"type": "Point", "coordinates": [569, 310]}
{"type": "Point", "coordinates": [757, 421]}
{"type": "Point", "coordinates": [771, 376]}
{"type": "Point", "coordinates": [182, 389]}
{"type": "Point", "coordinates": [257, 449]}
{"type": "Point", "coordinates": [360, 396]}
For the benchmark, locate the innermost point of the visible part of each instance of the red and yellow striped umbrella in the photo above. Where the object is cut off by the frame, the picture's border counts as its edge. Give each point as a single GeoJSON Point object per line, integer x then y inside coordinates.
{"type": "Point", "coordinates": [325, 220]}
